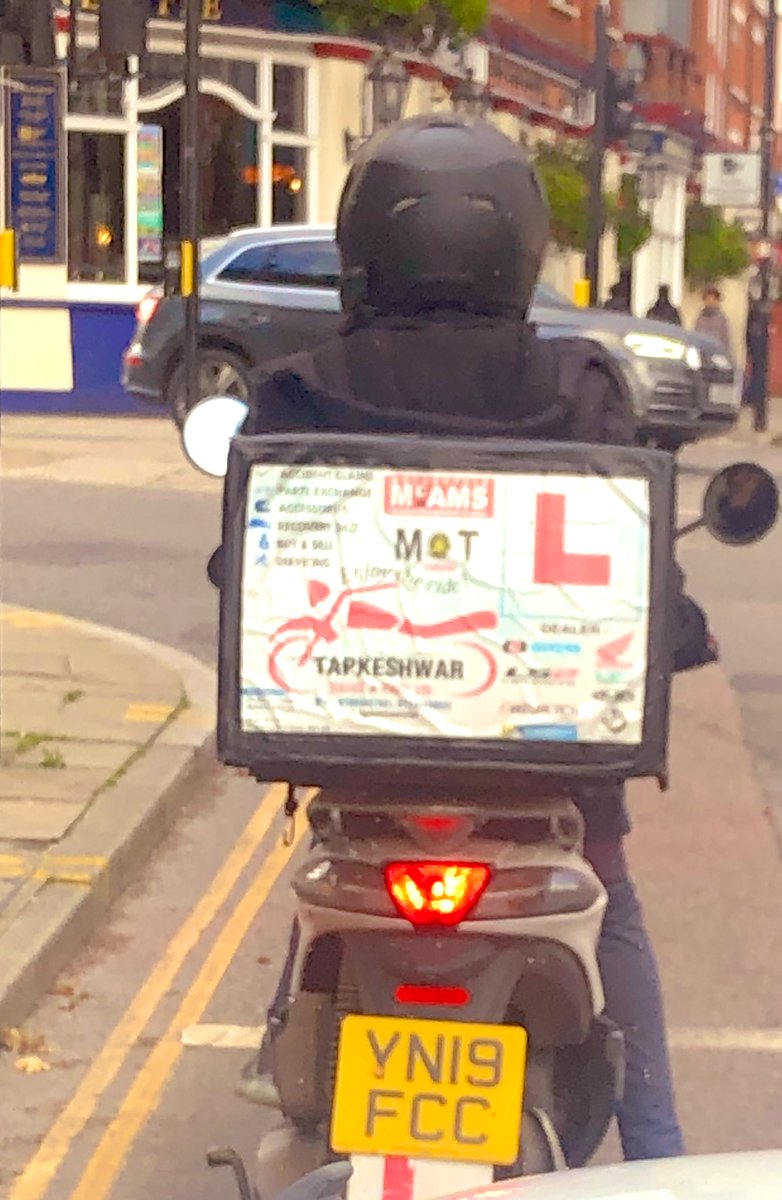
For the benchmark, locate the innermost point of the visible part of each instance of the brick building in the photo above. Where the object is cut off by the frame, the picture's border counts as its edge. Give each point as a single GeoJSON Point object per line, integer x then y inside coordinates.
{"type": "Point", "coordinates": [705, 59]}
{"type": "Point", "coordinates": [729, 41]}
{"type": "Point", "coordinates": [539, 54]}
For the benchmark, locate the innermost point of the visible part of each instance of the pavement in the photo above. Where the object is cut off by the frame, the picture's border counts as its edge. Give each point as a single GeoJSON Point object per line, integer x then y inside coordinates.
{"type": "Point", "coordinates": [138, 452]}
{"type": "Point", "coordinates": [99, 733]}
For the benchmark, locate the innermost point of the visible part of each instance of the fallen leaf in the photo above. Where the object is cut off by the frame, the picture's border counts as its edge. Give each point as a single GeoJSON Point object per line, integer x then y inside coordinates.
{"type": "Point", "coordinates": [19, 1041]}
{"type": "Point", "coordinates": [77, 998]}
{"type": "Point", "coordinates": [10, 1037]}
{"type": "Point", "coordinates": [31, 1064]}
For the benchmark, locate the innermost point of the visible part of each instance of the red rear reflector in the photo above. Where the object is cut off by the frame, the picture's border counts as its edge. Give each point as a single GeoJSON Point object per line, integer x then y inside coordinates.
{"type": "Point", "coordinates": [436, 823]}
{"type": "Point", "coordinates": [435, 893]}
{"type": "Point", "coordinates": [147, 307]}
{"type": "Point", "coordinates": [412, 993]}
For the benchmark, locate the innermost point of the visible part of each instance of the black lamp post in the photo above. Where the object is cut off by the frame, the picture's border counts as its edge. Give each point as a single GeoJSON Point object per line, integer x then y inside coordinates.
{"type": "Point", "coordinates": [389, 84]}
{"type": "Point", "coordinates": [469, 98]}
{"type": "Point", "coordinates": [760, 367]}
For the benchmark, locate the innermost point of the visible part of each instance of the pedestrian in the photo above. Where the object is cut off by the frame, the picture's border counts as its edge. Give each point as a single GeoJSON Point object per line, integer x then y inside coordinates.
{"type": "Point", "coordinates": [619, 298]}
{"type": "Point", "coordinates": [663, 309]}
{"type": "Point", "coordinates": [712, 320]}
{"type": "Point", "coordinates": [753, 373]}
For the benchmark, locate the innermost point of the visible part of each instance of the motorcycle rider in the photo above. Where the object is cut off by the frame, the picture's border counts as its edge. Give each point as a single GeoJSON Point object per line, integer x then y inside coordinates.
{"type": "Point", "coordinates": [442, 229]}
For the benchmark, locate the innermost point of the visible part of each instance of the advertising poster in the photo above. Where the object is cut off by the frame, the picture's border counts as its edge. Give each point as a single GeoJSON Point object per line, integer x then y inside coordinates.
{"type": "Point", "coordinates": [430, 604]}
{"type": "Point", "coordinates": [150, 194]}
{"type": "Point", "coordinates": [36, 176]}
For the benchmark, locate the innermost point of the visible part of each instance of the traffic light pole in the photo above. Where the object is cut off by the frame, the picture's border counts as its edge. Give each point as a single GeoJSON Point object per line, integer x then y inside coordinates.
{"type": "Point", "coordinates": [190, 201]}
{"type": "Point", "coordinates": [768, 142]}
{"type": "Point", "coordinates": [596, 217]}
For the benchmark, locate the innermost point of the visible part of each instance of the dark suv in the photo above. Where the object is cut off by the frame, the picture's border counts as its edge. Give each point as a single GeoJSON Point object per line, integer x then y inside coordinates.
{"type": "Point", "coordinates": [267, 293]}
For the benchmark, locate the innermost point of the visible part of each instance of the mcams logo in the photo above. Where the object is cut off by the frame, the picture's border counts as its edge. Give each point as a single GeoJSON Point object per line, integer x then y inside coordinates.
{"type": "Point", "coordinates": [439, 495]}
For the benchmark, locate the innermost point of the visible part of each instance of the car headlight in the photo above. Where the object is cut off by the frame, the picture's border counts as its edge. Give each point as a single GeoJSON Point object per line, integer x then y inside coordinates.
{"type": "Point", "coordinates": [649, 345]}
{"type": "Point", "coordinates": [720, 362]}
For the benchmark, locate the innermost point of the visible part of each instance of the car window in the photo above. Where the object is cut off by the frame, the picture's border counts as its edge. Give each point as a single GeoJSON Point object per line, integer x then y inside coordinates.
{"type": "Point", "coordinates": [290, 264]}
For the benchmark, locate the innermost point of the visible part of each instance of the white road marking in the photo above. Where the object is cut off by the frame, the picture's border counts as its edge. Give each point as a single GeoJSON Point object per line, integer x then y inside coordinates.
{"type": "Point", "coordinates": [224, 1037]}
{"type": "Point", "coordinates": [767, 1041]}
{"type": "Point", "coordinates": [730, 1038]}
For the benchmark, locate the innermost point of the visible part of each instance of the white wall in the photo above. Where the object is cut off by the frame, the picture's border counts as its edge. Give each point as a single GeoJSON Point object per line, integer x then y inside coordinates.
{"type": "Point", "coordinates": [340, 101]}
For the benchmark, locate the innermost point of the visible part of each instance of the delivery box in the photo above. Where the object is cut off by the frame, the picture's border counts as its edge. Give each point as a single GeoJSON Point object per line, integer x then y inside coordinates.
{"type": "Point", "coordinates": [414, 612]}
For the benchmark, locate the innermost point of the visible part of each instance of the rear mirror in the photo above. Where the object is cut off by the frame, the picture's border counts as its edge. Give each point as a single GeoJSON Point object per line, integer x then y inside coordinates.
{"type": "Point", "coordinates": [741, 504]}
{"type": "Point", "coordinates": [214, 568]}
{"type": "Point", "coordinates": [207, 432]}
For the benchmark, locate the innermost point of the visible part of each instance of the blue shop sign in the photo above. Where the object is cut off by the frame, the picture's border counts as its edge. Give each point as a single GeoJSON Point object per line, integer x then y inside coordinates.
{"type": "Point", "coordinates": [36, 172]}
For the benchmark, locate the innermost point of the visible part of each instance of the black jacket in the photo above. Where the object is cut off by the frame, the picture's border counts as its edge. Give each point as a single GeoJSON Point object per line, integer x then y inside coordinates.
{"type": "Point", "coordinates": [461, 375]}
{"type": "Point", "coordinates": [663, 310]}
{"type": "Point", "coordinates": [452, 375]}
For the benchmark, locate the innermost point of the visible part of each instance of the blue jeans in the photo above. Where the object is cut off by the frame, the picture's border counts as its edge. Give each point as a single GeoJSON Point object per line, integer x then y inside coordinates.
{"type": "Point", "coordinates": [648, 1125]}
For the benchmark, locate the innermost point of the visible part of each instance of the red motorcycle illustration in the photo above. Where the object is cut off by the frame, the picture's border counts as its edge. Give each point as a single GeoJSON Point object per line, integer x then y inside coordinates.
{"type": "Point", "coordinates": [304, 634]}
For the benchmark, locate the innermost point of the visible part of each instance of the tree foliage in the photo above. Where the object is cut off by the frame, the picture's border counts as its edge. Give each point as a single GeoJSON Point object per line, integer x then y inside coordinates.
{"type": "Point", "coordinates": [713, 248]}
{"type": "Point", "coordinates": [407, 24]}
{"type": "Point", "coordinates": [563, 172]}
{"type": "Point", "coordinates": [632, 225]}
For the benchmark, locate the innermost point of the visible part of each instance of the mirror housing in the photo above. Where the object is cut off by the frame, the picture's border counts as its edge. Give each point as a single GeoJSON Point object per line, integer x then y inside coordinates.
{"type": "Point", "coordinates": [214, 568]}
{"type": "Point", "coordinates": [207, 432]}
{"type": "Point", "coordinates": [741, 504]}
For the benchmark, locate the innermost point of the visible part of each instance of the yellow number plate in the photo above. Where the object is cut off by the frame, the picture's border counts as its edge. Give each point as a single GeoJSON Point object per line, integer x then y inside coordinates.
{"type": "Point", "coordinates": [429, 1089]}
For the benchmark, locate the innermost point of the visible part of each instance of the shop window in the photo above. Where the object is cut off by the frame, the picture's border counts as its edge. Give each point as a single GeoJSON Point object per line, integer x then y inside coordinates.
{"type": "Point", "coordinates": [289, 98]}
{"type": "Point", "coordinates": [289, 185]}
{"type": "Point", "coordinates": [159, 71]}
{"type": "Point", "coordinates": [228, 154]}
{"type": "Point", "coordinates": [93, 90]}
{"type": "Point", "coordinates": [290, 264]}
{"type": "Point", "coordinates": [241, 76]}
{"type": "Point", "coordinates": [96, 207]}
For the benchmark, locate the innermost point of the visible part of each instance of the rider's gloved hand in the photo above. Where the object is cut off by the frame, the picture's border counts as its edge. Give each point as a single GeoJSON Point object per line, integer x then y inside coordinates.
{"type": "Point", "coordinates": [696, 646]}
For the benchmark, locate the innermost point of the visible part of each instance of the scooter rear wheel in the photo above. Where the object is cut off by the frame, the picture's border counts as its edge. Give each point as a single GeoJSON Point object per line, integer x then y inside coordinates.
{"type": "Point", "coordinates": [541, 1149]}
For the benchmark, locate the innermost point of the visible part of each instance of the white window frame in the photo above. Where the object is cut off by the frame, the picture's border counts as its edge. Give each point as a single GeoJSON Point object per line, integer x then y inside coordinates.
{"type": "Point", "coordinates": [125, 126]}
{"type": "Point", "coordinates": [167, 37]}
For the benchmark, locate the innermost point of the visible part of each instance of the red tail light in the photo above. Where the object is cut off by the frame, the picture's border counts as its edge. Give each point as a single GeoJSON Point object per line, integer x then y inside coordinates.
{"type": "Point", "coordinates": [436, 893]}
{"type": "Point", "coordinates": [431, 995]}
{"type": "Point", "coordinates": [148, 306]}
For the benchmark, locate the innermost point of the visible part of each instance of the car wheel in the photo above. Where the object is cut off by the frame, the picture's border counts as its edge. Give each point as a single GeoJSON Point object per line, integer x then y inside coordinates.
{"type": "Point", "coordinates": [220, 373]}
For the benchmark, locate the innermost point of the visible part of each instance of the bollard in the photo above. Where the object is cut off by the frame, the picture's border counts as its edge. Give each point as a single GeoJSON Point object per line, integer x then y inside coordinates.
{"type": "Point", "coordinates": [9, 276]}
{"type": "Point", "coordinates": [581, 296]}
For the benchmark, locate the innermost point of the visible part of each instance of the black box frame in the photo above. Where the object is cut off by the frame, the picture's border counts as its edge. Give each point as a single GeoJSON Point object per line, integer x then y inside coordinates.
{"type": "Point", "coordinates": [401, 762]}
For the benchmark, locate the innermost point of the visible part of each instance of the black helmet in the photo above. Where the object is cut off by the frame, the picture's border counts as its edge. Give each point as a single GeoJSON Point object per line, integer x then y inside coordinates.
{"type": "Point", "coordinates": [441, 212]}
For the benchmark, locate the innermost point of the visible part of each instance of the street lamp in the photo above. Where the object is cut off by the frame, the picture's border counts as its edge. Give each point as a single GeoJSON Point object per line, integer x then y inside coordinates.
{"type": "Point", "coordinates": [652, 174]}
{"type": "Point", "coordinates": [389, 84]}
{"type": "Point", "coordinates": [469, 98]}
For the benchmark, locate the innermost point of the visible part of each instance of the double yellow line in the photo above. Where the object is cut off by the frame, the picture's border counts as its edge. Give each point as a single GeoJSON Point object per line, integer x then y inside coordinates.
{"type": "Point", "coordinates": [143, 1095]}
